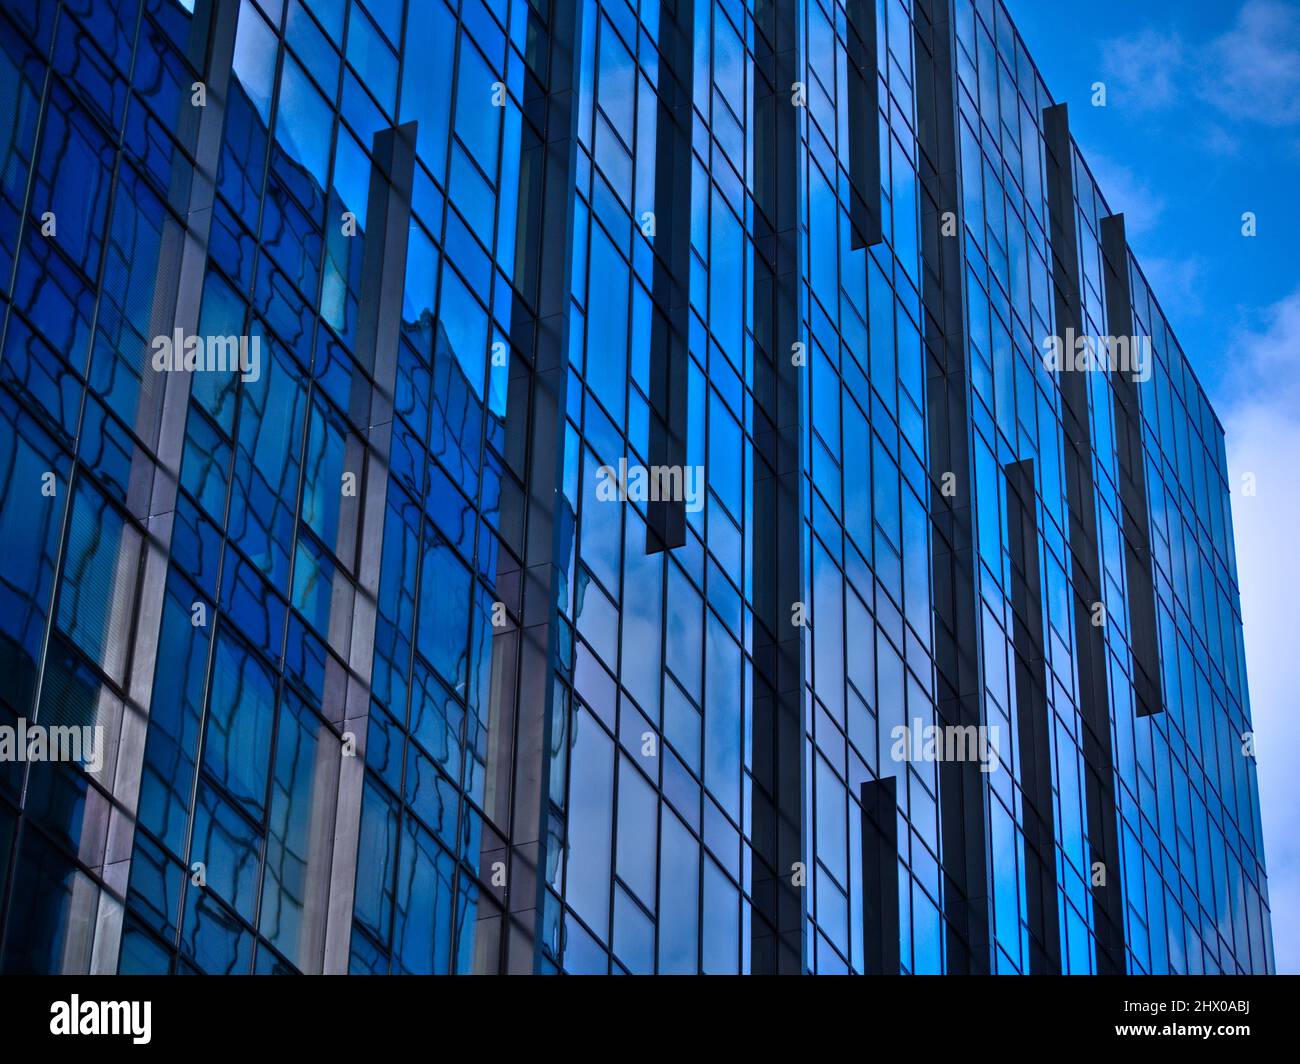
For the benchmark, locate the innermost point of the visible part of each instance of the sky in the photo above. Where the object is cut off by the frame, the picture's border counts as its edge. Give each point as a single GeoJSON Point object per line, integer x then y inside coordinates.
{"type": "Point", "coordinates": [1202, 124]}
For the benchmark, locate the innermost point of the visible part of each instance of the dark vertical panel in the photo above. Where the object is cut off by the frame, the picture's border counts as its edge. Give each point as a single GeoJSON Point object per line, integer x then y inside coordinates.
{"type": "Point", "coordinates": [537, 526]}
{"type": "Point", "coordinates": [962, 799]}
{"type": "Point", "coordinates": [670, 326]}
{"type": "Point", "coordinates": [864, 125]}
{"type": "Point", "coordinates": [1033, 722]}
{"type": "Point", "coordinates": [1132, 478]}
{"type": "Point", "coordinates": [388, 217]}
{"type": "Point", "coordinates": [1090, 646]}
{"type": "Point", "coordinates": [880, 876]}
{"type": "Point", "coordinates": [778, 925]}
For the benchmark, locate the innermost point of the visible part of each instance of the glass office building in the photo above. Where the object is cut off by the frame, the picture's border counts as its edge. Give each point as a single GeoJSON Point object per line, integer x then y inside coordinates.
{"type": "Point", "coordinates": [338, 336]}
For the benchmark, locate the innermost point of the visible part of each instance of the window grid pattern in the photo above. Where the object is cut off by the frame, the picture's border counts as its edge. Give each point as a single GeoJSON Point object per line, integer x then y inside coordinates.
{"type": "Point", "coordinates": [649, 835]}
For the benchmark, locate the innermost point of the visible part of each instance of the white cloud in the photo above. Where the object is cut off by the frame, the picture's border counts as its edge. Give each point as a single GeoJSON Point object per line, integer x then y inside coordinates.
{"type": "Point", "coordinates": [1140, 71]}
{"type": "Point", "coordinates": [1178, 283]}
{"type": "Point", "coordinates": [1126, 192]}
{"type": "Point", "coordinates": [1218, 140]}
{"type": "Point", "coordinates": [1262, 422]}
{"type": "Point", "coordinates": [1267, 360]}
{"type": "Point", "coordinates": [1249, 73]}
{"type": "Point", "coordinates": [1254, 68]}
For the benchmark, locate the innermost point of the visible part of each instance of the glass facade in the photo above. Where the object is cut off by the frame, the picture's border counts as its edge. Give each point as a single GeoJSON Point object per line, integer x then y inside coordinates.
{"type": "Point", "coordinates": [379, 676]}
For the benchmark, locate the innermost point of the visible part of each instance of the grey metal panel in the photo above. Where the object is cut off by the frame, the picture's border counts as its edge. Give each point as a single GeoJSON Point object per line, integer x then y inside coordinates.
{"type": "Point", "coordinates": [670, 321]}
{"type": "Point", "coordinates": [1090, 646]}
{"type": "Point", "coordinates": [533, 525]}
{"type": "Point", "coordinates": [160, 421]}
{"type": "Point", "coordinates": [880, 876]}
{"type": "Point", "coordinates": [864, 125]}
{"type": "Point", "coordinates": [1033, 722]}
{"type": "Point", "coordinates": [963, 796]}
{"type": "Point", "coordinates": [1126, 394]}
{"type": "Point", "coordinates": [778, 924]}
{"type": "Point", "coordinates": [388, 214]}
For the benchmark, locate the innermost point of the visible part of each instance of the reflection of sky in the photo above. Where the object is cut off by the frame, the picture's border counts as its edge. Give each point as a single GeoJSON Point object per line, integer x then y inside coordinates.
{"type": "Point", "coordinates": [1202, 124]}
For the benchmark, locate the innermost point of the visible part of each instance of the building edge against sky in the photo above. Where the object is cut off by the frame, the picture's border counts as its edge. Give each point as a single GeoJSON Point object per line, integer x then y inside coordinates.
{"type": "Point", "coordinates": [377, 675]}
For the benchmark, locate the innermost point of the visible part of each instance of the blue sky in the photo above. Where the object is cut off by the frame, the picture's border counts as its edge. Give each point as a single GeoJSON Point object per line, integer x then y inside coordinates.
{"type": "Point", "coordinates": [1201, 124]}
